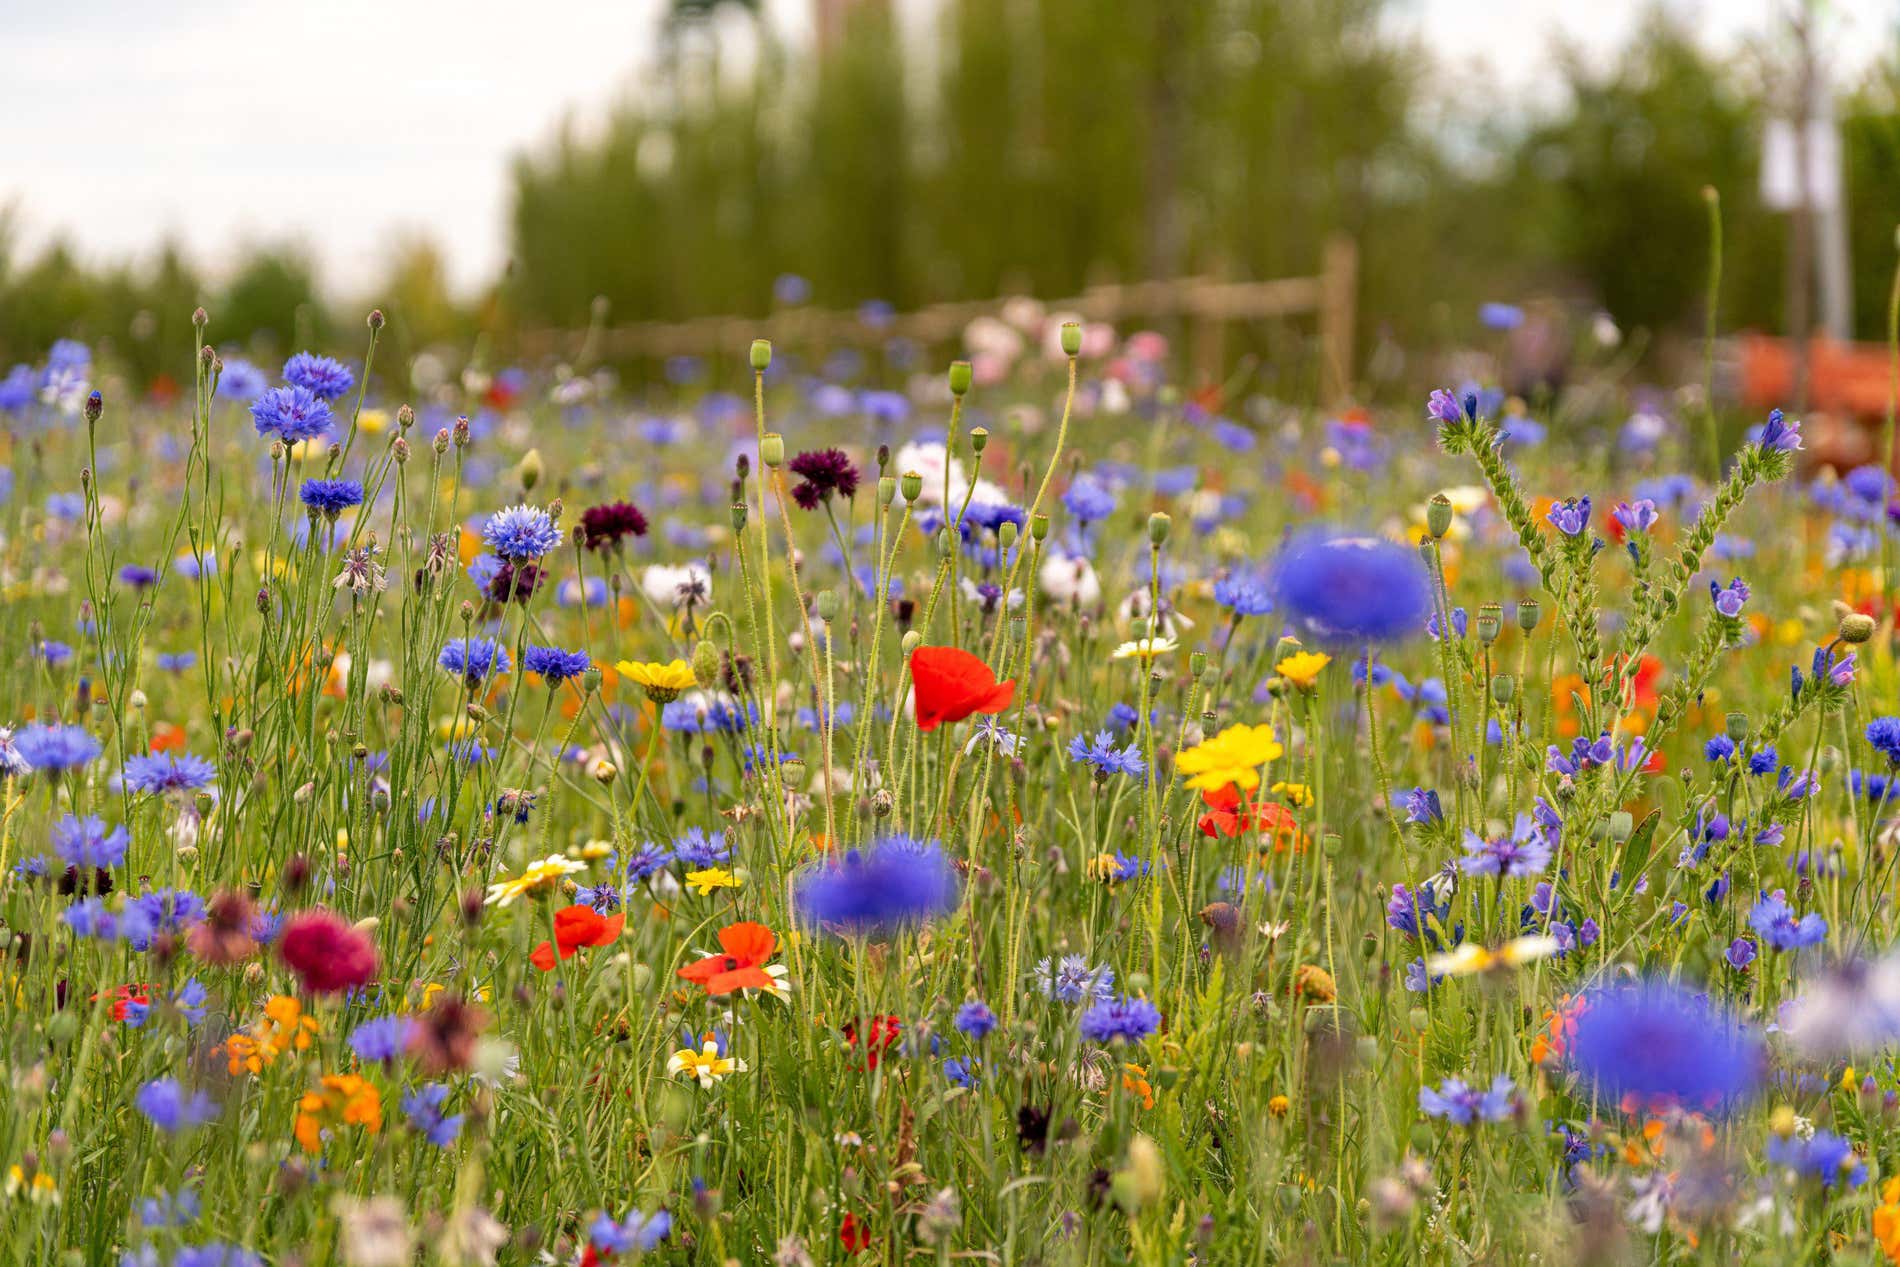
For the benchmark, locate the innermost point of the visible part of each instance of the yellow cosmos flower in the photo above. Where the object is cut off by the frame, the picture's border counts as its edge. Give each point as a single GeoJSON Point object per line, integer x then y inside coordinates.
{"type": "Point", "coordinates": [705, 881]}
{"type": "Point", "coordinates": [341, 1099]}
{"type": "Point", "coordinates": [706, 1064]}
{"type": "Point", "coordinates": [1144, 649]}
{"type": "Point", "coordinates": [662, 682]}
{"type": "Point", "coordinates": [1471, 958]}
{"type": "Point", "coordinates": [1302, 668]}
{"type": "Point", "coordinates": [1230, 759]}
{"type": "Point", "coordinates": [548, 871]}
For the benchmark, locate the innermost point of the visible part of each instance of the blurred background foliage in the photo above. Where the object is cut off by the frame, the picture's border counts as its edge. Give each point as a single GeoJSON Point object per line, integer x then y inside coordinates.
{"type": "Point", "coordinates": [1040, 145]}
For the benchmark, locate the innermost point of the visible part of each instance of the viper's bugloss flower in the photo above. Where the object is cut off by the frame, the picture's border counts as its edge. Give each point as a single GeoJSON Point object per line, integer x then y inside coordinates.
{"type": "Point", "coordinates": [161, 772]}
{"type": "Point", "coordinates": [823, 472]}
{"type": "Point", "coordinates": [166, 1104]}
{"type": "Point", "coordinates": [554, 665]}
{"type": "Point", "coordinates": [330, 497]}
{"type": "Point", "coordinates": [474, 660]}
{"type": "Point", "coordinates": [1571, 516]}
{"type": "Point", "coordinates": [1823, 1157]}
{"type": "Point", "coordinates": [1663, 1047]}
{"type": "Point", "coordinates": [321, 376]}
{"type": "Point", "coordinates": [1779, 434]}
{"type": "Point", "coordinates": [1883, 733]}
{"type": "Point", "coordinates": [1422, 805]}
{"type": "Point", "coordinates": [606, 526]}
{"type": "Point", "coordinates": [1777, 924]}
{"type": "Point", "coordinates": [1351, 590]}
{"type": "Point", "coordinates": [1637, 516]}
{"type": "Point", "coordinates": [1526, 851]}
{"type": "Point", "coordinates": [1123, 1019]}
{"type": "Point", "coordinates": [1444, 409]}
{"type": "Point", "coordinates": [1408, 909]}
{"type": "Point", "coordinates": [328, 954]}
{"type": "Point", "coordinates": [85, 842]}
{"type": "Point", "coordinates": [1729, 598]}
{"type": "Point", "coordinates": [1464, 1105]}
{"type": "Point", "coordinates": [895, 883]}
{"type": "Point", "coordinates": [292, 414]}
{"type": "Point", "coordinates": [521, 533]}
{"type": "Point", "coordinates": [55, 748]}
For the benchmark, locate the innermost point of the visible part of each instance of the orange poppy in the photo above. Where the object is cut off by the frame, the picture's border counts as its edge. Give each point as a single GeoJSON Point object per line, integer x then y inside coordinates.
{"type": "Point", "coordinates": [574, 927]}
{"type": "Point", "coordinates": [742, 967]}
{"type": "Point", "coordinates": [951, 684]}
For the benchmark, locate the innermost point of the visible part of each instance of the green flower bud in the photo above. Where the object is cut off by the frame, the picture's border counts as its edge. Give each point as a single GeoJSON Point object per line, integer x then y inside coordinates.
{"type": "Point", "coordinates": [979, 439]}
{"type": "Point", "coordinates": [530, 469]}
{"type": "Point", "coordinates": [912, 641]}
{"type": "Point", "coordinates": [705, 662]}
{"type": "Point", "coordinates": [1856, 627]}
{"type": "Point", "coordinates": [740, 511]}
{"type": "Point", "coordinates": [1438, 515]}
{"type": "Point", "coordinates": [761, 355]}
{"type": "Point", "coordinates": [959, 377]}
{"type": "Point", "coordinates": [772, 450]}
{"type": "Point", "coordinates": [1158, 525]}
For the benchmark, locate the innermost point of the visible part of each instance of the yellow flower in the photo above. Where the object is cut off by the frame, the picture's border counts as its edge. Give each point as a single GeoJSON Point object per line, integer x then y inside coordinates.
{"type": "Point", "coordinates": [1302, 668]}
{"type": "Point", "coordinates": [1278, 1105]}
{"type": "Point", "coordinates": [1143, 649]}
{"type": "Point", "coordinates": [663, 682]}
{"type": "Point", "coordinates": [1295, 793]}
{"type": "Point", "coordinates": [706, 1064]}
{"type": "Point", "coordinates": [705, 881]}
{"type": "Point", "coordinates": [373, 421]}
{"type": "Point", "coordinates": [1230, 759]}
{"type": "Point", "coordinates": [1887, 1219]}
{"type": "Point", "coordinates": [1471, 957]}
{"type": "Point", "coordinates": [341, 1099]}
{"type": "Point", "coordinates": [548, 871]}
{"type": "Point", "coordinates": [284, 1027]}
{"type": "Point", "coordinates": [38, 1187]}
{"type": "Point", "coordinates": [1135, 1082]}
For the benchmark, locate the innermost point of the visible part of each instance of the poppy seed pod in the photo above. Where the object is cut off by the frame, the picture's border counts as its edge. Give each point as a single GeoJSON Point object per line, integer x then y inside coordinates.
{"type": "Point", "coordinates": [911, 484]}
{"type": "Point", "coordinates": [1490, 623]}
{"type": "Point", "coordinates": [1158, 525]}
{"type": "Point", "coordinates": [959, 377]}
{"type": "Point", "coordinates": [1528, 613]}
{"type": "Point", "coordinates": [761, 355]}
{"type": "Point", "coordinates": [1072, 338]}
{"type": "Point", "coordinates": [979, 439]}
{"type": "Point", "coordinates": [1438, 515]}
{"type": "Point", "coordinates": [772, 450]}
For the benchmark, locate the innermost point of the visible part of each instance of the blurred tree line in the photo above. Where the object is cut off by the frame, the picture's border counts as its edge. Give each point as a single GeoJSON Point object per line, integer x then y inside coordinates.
{"type": "Point", "coordinates": [1039, 146]}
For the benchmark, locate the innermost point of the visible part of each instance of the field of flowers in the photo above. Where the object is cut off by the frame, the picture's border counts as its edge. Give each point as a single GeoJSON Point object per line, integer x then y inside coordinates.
{"type": "Point", "coordinates": [848, 812]}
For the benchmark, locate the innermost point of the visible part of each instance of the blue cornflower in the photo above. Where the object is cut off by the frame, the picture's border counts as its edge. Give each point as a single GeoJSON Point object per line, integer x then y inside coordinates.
{"type": "Point", "coordinates": [894, 883]}
{"type": "Point", "coordinates": [703, 714]}
{"type": "Point", "coordinates": [241, 380]}
{"type": "Point", "coordinates": [292, 414]}
{"type": "Point", "coordinates": [1089, 500]}
{"type": "Point", "coordinates": [1351, 590]}
{"type": "Point", "coordinates": [604, 898]}
{"type": "Point", "coordinates": [1571, 516]}
{"type": "Point", "coordinates": [1822, 1156]}
{"type": "Point", "coordinates": [474, 659]}
{"type": "Point", "coordinates": [1637, 516]}
{"type": "Point", "coordinates": [960, 1072]}
{"type": "Point", "coordinates": [1107, 759]}
{"type": "Point", "coordinates": [55, 747]}
{"type": "Point", "coordinates": [1526, 851]}
{"type": "Point", "coordinates": [1458, 1102]}
{"type": "Point", "coordinates": [168, 1106]}
{"type": "Point", "coordinates": [91, 918]}
{"type": "Point", "coordinates": [635, 1234]}
{"type": "Point", "coordinates": [214, 1254]}
{"type": "Point", "coordinates": [170, 1209]}
{"type": "Point", "coordinates": [381, 1038]}
{"type": "Point", "coordinates": [1777, 924]}
{"type": "Point", "coordinates": [1123, 1019]}
{"type": "Point", "coordinates": [1720, 748]}
{"type": "Point", "coordinates": [1884, 734]}
{"type": "Point", "coordinates": [1244, 594]}
{"type": "Point", "coordinates": [1500, 316]}
{"type": "Point", "coordinates": [1729, 598]}
{"type": "Point", "coordinates": [521, 532]}
{"type": "Point", "coordinates": [1778, 434]}
{"type": "Point", "coordinates": [975, 1020]}
{"type": "Point", "coordinates": [160, 911]}
{"type": "Point", "coordinates": [330, 498]}
{"type": "Point", "coordinates": [162, 772]}
{"type": "Point", "coordinates": [85, 842]}
{"type": "Point", "coordinates": [1072, 979]}
{"type": "Point", "coordinates": [423, 1107]}
{"type": "Point", "coordinates": [647, 861]}
{"type": "Point", "coordinates": [697, 848]}
{"type": "Point", "coordinates": [555, 665]}
{"type": "Point", "coordinates": [320, 375]}
{"type": "Point", "coordinates": [1665, 1046]}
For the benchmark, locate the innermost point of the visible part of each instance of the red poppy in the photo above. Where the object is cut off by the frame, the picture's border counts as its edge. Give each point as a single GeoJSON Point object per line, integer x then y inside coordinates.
{"type": "Point", "coordinates": [742, 967]}
{"type": "Point", "coordinates": [574, 927]}
{"type": "Point", "coordinates": [854, 1234]}
{"type": "Point", "coordinates": [1229, 814]}
{"type": "Point", "coordinates": [125, 997]}
{"type": "Point", "coordinates": [880, 1036]}
{"type": "Point", "coordinates": [952, 684]}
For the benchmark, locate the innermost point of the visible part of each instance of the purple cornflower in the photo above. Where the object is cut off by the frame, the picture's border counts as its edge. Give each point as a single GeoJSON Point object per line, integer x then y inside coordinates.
{"type": "Point", "coordinates": [321, 376]}
{"type": "Point", "coordinates": [1526, 851]}
{"type": "Point", "coordinates": [330, 498]}
{"type": "Point", "coordinates": [821, 473]}
{"type": "Point", "coordinates": [521, 533]}
{"type": "Point", "coordinates": [895, 883]}
{"type": "Point", "coordinates": [161, 772]}
{"type": "Point", "coordinates": [1637, 516]}
{"type": "Point", "coordinates": [555, 665]}
{"type": "Point", "coordinates": [292, 414]}
{"type": "Point", "coordinates": [1123, 1019]}
{"type": "Point", "coordinates": [85, 843]}
{"type": "Point", "coordinates": [1463, 1105]}
{"type": "Point", "coordinates": [1775, 921]}
{"type": "Point", "coordinates": [1729, 598]}
{"type": "Point", "coordinates": [1571, 516]}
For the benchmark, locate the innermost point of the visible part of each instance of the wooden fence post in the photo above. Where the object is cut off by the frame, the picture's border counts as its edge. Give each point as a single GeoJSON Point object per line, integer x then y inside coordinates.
{"type": "Point", "coordinates": [1339, 284]}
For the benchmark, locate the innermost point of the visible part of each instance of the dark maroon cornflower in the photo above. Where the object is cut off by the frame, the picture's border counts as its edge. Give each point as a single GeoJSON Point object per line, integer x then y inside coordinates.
{"type": "Point", "coordinates": [514, 584]}
{"type": "Point", "coordinates": [328, 954]}
{"type": "Point", "coordinates": [821, 473]}
{"type": "Point", "coordinates": [444, 1037]}
{"type": "Point", "coordinates": [605, 527]}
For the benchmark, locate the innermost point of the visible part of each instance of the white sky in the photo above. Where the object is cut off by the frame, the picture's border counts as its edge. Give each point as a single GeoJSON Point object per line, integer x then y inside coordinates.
{"type": "Point", "coordinates": [343, 124]}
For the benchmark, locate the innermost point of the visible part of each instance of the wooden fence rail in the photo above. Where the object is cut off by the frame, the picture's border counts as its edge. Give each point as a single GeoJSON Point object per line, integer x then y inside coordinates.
{"type": "Point", "coordinates": [1208, 304]}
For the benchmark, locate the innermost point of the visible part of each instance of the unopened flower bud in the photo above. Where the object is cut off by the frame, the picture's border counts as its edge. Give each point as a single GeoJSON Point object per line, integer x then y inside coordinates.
{"type": "Point", "coordinates": [530, 469]}
{"type": "Point", "coordinates": [1856, 627]}
{"type": "Point", "coordinates": [1158, 525]}
{"type": "Point", "coordinates": [1072, 338]}
{"type": "Point", "coordinates": [375, 318]}
{"type": "Point", "coordinates": [761, 355]}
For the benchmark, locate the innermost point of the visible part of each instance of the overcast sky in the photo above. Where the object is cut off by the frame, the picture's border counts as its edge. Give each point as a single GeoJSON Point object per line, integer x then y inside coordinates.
{"type": "Point", "coordinates": [343, 124]}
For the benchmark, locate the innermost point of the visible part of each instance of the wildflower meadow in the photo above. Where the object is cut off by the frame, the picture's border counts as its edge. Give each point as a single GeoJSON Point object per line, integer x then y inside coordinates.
{"type": "Point", "coordinates": [1018, 809]}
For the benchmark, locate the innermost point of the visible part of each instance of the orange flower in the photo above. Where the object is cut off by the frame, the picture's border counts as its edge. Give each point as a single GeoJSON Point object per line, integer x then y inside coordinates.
{"type": "Point", "coordinates": [950, 684]}
{"type": "Point", "coordinates": [742, 967]}
{"type": "Point", "coordinates": [167, 737]}
{"type": "Point", "coordinates": [1560, 1028]}
{"type": "Point", "coordinates": [1135, 1082]}
{"type": "Point", "coordinates": [341, 1099]}
{"type": "Point", "coordinates": [1229, 814]}
{"type": "Point", "coordinates": [574, 927]}
{"type": "Point", "coordinates": [284, 1027]}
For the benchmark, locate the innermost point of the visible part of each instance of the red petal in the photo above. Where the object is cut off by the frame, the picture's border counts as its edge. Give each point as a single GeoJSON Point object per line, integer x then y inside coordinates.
{"type": "Point", "coordinates": [747, 942]}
